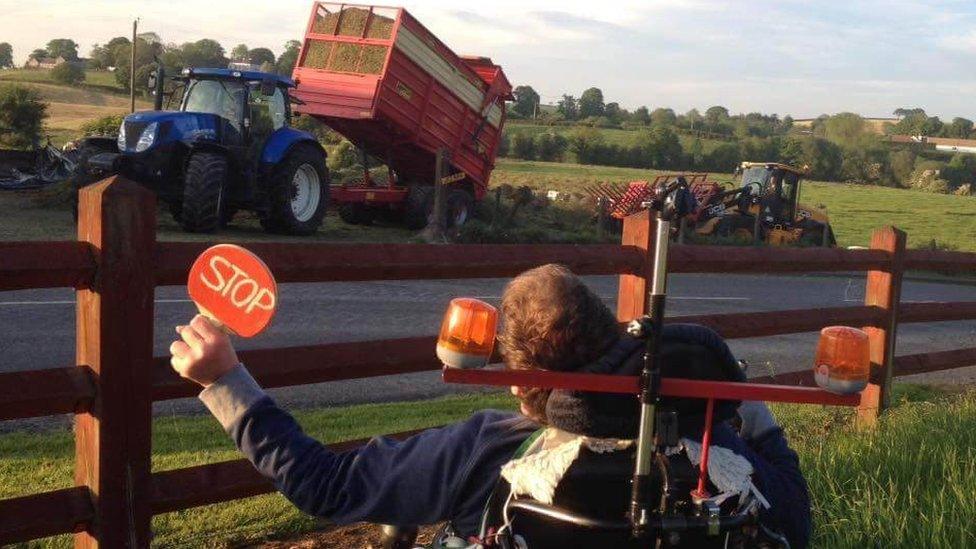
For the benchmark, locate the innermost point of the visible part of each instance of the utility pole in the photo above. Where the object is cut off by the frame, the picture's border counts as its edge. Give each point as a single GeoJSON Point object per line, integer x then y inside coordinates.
{"type": "Point", "coordinates": [132, 67]}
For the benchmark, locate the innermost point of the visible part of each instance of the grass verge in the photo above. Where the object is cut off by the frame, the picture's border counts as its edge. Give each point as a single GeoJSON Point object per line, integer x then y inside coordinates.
{"type": "Point", "coordinates": [907, 484]}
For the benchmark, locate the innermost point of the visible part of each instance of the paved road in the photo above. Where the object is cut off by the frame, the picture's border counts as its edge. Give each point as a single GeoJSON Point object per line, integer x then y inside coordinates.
{"type": "Point", "coordinates": [37, 326]}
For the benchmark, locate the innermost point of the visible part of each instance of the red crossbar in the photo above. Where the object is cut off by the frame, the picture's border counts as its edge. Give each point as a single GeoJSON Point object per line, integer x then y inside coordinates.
{"type": "Point", "coordinates": [672, 387]}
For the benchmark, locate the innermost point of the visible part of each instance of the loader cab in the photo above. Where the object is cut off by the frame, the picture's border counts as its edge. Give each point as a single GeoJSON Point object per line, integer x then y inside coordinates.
{"type": "Point", "coordinates": [773, 190]}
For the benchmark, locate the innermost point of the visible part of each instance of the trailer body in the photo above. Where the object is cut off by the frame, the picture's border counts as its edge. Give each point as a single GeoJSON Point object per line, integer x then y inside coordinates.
{"type": "Point", "coordinates": [381, 79]}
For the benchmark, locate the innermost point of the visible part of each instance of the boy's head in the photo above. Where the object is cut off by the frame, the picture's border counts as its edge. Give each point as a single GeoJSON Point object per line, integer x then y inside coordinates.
{"type": "Point", "coordinates": [552, 321]}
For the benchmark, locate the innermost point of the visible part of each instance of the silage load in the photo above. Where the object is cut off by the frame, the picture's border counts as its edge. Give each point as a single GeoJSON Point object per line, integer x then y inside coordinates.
{"type": "Point", "coordinates": [352, 23]}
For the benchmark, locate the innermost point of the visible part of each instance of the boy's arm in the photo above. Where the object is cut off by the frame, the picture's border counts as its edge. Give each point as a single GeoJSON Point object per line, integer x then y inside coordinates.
{"type": "Point", "coordinates": [776, 472]}
{"type": "Point", "coordinates": [388, 481]}
{"type": "Point", "coordinates": [411, 482]}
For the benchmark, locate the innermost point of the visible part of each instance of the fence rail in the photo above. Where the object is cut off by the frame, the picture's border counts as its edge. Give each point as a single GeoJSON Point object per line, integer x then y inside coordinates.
{"type": "Point", "coordinates": [116, 263]}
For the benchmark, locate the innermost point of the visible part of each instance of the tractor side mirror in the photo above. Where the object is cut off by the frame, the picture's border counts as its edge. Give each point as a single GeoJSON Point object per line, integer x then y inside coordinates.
{"type": "Point", "coordinates": [268, 87]}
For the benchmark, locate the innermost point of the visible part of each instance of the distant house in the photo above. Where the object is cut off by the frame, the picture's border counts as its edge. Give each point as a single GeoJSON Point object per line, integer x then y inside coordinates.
{"type": "Point", "coordinates": [44, 62]}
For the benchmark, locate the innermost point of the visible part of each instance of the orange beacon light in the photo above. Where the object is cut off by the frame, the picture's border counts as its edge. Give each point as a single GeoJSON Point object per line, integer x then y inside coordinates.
{"type": "Point", "coordinates": [467, 334]}
{"type": "Point", "coordinates": [843, 362]}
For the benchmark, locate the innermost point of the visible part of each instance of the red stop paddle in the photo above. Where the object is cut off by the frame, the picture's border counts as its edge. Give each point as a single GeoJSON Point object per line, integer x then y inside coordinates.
{"type": "Point", "coordinates": [234, 288]}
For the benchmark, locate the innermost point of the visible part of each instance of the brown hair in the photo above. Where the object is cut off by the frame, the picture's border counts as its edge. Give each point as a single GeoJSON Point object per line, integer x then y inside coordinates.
{"type": "Point", "coordinates": [552, 321]}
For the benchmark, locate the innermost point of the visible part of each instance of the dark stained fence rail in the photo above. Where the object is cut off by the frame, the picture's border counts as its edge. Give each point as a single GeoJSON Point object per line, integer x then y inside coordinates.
{"type": "Point", "coordinates": [116, 263]}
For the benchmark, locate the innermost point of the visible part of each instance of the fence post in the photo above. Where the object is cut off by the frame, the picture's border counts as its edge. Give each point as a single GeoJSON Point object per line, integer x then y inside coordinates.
{"type": "Point", "coordinates": [883, 289]}
{"type": "Point", "coordinates": [632, 296]}
{"type": "Point", "coordinates": [115, 338]}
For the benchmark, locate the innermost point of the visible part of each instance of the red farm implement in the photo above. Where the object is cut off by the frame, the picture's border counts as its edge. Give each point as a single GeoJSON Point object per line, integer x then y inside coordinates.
{"type": "Point", "coordinates": [382, 80]}
{"type": "Point", "coordinates": [624, 201]}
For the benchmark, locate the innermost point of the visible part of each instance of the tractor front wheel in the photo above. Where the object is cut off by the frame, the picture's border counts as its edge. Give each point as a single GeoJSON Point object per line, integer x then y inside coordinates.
{"type": "Point", "coordinates": [202, 210]}
{"type": "Point", "coordinates": [299, 193]}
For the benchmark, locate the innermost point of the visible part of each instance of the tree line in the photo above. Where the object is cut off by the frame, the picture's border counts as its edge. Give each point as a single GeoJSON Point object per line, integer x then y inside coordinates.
{"type": "Point", "coordinates": [841, 147]}
{"type": "Point", "coordinates": [116, 54]}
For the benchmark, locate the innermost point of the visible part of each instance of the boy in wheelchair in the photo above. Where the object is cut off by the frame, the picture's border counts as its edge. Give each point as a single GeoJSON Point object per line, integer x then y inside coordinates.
{"type": "Point", "coordinates": [556, 475]}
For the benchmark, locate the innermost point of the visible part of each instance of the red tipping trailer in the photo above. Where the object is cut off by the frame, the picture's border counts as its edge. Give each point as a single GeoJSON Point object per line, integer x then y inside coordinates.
{"type": "Point", "coordinates": [382, 80]}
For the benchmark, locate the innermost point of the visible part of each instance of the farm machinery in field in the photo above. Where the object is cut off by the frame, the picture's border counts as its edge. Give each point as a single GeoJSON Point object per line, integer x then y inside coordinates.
{"type": "Point", "coordinates": [375, 75]}
{"type": "Point", "coordinates": [765, 207]}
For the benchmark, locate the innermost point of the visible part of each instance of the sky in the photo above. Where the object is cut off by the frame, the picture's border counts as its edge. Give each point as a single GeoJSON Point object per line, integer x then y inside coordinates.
{"type": "Point", "coordinates": [772, 56]}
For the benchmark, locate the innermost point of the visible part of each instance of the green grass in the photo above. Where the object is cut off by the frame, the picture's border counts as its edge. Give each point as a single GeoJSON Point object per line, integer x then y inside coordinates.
{"type": "Point", "coordinates": [907, 484]}
{"type": "Point", "coordinates": [100, 79]}
{"type": "Point", "coordinates": [855, 210]}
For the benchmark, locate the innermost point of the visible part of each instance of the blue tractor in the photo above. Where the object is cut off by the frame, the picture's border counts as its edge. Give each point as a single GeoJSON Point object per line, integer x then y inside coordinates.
{"type": "Point", "coordinates": [228, 148]}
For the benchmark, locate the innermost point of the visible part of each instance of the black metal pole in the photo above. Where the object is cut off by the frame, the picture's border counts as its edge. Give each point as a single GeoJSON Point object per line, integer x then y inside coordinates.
{"type": "Point", "coordinates": [670, 206]}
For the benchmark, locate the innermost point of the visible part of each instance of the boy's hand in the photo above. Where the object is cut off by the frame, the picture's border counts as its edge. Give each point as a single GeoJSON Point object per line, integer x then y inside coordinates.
{"type": "Point", "coordinates": [204, 353]}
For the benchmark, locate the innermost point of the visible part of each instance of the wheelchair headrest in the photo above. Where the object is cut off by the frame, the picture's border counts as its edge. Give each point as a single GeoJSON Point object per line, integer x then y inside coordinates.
{"type": "Point", "coordinates": [688, 351]}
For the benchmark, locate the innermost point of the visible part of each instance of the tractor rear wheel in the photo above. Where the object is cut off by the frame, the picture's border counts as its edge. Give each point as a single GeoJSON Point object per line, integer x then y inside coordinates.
{"type": "Point", "coordinates": [203, 193]}
{"type": "Point", "coordinates": [299, 192]}
{"type": "Point", "coordinates": [418, 206]}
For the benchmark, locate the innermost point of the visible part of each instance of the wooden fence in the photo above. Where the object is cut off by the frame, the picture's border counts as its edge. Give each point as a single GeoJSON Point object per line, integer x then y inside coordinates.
{"type": "Point", "coordinates": [116, 264]}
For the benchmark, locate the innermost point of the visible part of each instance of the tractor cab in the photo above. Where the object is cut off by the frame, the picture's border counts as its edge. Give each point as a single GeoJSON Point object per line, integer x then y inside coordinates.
{"type": "Point", "coordinates": [227, 148]}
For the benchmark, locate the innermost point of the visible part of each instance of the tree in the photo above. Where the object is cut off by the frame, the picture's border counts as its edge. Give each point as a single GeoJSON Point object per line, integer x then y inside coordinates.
{"type": "Point", "coordinates": [260, 56]}
{"type": "Point", "coordinates": [584, 143]}
{"type": "Point", "coordinates": [239, 53]}
{"type": "Point", "coordinates": [663, 117]}
{"type": "Point", "coordinates": [959, 128]}
{"type": "Point", "coordinates": [716, 116]}
{"type": "Point", "coordinates": [22, 115]}
{"type": "Point", "coordinates": [550, 146]}
{"type": "Point", "coordinates": [903, 112]}
{"type": "Point", "coordinates": [63, 47]}
{"type": "Point", "coordinates": [591, 103]}
{"type": "Point", "coordinates": [902, 164]}
{"type": "Point", "coordinates": [567, 107]}
{"type": "Point", "coordinates": [642, 116]}
{"type": "Point", "coordinates": [526, 101]}
{"type": "Point", "coordinates": [122, 54]}
{"type": "Point", "coordinates": [6, 55]}
{"type": "Point", "coordinates": [613, 112]}
{"type": "Point", "coordinates": [68, 73]}
{"type": "Point", "coordinates": [39, 53]}
{"type": "Point", "coordinates": [523, 146]}
{"type": "Point", "coordinates": [694, 118]}
{"type": "Point", "coordinates": [660, 147]}
{"type": "Point", "coordinates": [846, 129]}
{"type": "Point", "coordinates": [203, 53]}
{"type": "Point", "coordinates": [287, 60]}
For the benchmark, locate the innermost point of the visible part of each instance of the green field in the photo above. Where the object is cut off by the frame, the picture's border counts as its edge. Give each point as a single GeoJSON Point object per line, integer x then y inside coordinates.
{"type": "Point", "coordinates": [855, 210]}
{"type": "Point", "coordinates": [869, 489]}
{"type": "Point", "coordinates": [71, 106]}
{"type": "Point", "coordinates": [101, 79]}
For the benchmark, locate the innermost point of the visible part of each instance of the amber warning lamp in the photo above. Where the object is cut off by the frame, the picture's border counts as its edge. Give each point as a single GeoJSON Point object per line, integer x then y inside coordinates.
{"type": "Point", "coordinates": [843, 362]}
{"type": "Point", "coordinates": [467, 334]}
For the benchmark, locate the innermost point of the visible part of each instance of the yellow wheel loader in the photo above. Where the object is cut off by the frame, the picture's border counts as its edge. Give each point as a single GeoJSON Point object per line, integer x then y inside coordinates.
{"type": "Point", "coordinates": [766, 207]}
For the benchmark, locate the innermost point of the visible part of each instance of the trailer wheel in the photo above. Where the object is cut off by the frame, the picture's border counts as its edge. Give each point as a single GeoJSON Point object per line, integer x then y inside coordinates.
{"type": "Point", "coordinates": [203, 193]}
{"type": "Point", "coordinates": [460, 208]}
{"type": "Point", "coordinates": [418, 207]}
{"type": "Point", "coordinates": [355, 213]}
{"type": "Point", "coordinates": [299, 193]}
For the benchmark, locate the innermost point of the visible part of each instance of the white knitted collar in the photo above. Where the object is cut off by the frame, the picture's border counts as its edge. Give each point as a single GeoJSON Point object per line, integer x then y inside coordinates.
{"type": "Point", "coordinates": [538, 471]}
